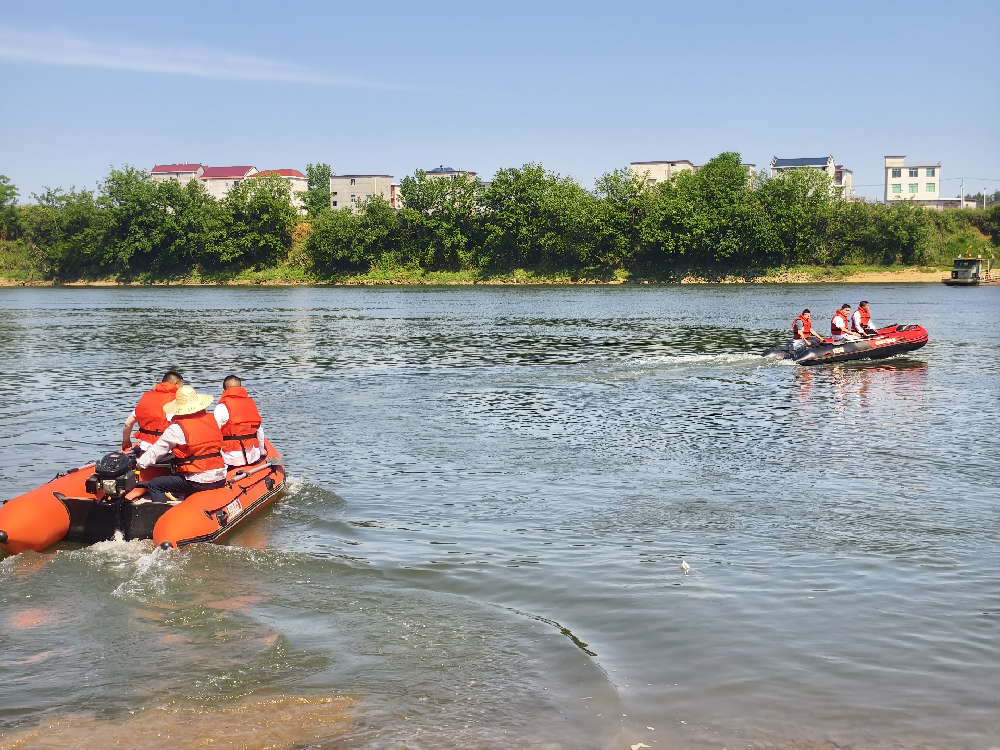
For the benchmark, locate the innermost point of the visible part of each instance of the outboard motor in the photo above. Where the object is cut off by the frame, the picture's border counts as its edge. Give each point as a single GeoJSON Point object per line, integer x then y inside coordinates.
{"type": "Point", "coordinates": [114, 477]}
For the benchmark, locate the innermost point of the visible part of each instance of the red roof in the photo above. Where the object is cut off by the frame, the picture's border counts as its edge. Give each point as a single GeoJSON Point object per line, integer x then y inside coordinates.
{"type": "Point", "coordinates": [281, 173]}
{"type": "Point", "coordinates": [176, 168]}
{"type": "Point", "coordinates": [221, 173]}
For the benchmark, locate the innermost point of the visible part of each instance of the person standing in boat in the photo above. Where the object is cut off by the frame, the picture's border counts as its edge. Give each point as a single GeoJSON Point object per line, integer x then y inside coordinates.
{"type": "Point", "coordinates": [861, 319]}
{"type": "Point", "coordinates": [194, 441]}
{"type": "Point", "coordinates": [840, 325]}
{"type": "Point", "coordinates": [149, 412]}
{"type": "Point", "coordinates": [239, 419]}
{"type": "Point", "coordinates": [802, 332]}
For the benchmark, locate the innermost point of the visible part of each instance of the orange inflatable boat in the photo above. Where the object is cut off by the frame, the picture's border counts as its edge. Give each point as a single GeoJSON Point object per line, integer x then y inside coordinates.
{"type": "Point", "coordinates": [95, 502]}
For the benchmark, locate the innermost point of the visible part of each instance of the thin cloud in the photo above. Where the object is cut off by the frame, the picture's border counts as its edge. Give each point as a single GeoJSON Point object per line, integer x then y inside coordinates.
{"type": "Point", "coordinates": [71, 51]}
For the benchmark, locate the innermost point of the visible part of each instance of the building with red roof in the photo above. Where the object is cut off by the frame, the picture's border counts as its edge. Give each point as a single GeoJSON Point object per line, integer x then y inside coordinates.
{"type": "Point", "coordinates": [218, 181]}
{"type": "Point", "coordinates": [183, 173]}
{"type": "Point", "coordinates": [297, 181]}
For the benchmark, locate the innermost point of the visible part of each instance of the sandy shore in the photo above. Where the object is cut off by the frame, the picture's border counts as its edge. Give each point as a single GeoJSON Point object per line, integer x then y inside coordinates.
{"type": "Point", "coordinates": [906, 275]}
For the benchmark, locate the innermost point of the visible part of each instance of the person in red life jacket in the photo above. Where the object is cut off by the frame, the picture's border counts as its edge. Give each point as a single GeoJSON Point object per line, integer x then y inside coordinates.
{"type": "Point", "coordinates": [802, 332]}
{"type": "Point", "coordinates": [861, 319]}
{"type": "Point", "coordinates": [193, 441]}
{"type": "Point", "coordinates": [239, 420]}
{"type": "Point", "coordinates": [840, 325]}
{"type": "Point", "coordinates": [149, 414]}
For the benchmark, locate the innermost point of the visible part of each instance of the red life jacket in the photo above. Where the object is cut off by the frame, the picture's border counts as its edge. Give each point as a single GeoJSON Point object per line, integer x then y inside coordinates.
{"type": "Point", "coordinates": [833, 326]}
{"type": "Point", "coordinates": [865, 317]}
{"type": "Point", "coordinates": [149, 411]}
{"type": "Point", "coordinates": [240, 431]}
{"type": "Point", "coordinates": [807, 327]}
{"type": "Point", "coordinates": [203, 443]}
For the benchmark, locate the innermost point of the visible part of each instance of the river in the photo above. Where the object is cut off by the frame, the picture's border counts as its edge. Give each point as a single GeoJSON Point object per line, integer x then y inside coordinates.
{"type": "Point", "coordinates": [491, 494]}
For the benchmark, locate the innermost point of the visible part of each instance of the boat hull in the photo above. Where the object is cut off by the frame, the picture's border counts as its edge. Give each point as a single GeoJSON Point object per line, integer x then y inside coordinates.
{"type": "Point", "coordinates": [890, 341]}
{"type": "Point", "coordinates": [62, 510]}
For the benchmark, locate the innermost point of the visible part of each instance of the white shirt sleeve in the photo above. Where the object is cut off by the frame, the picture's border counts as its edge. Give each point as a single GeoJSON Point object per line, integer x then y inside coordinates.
{"type": "Point", "coordinates": [170, 439]}
{"type": "Point", "coordinates": [856, 321]}
{"type": "Point", "coordinates": [221, 414]}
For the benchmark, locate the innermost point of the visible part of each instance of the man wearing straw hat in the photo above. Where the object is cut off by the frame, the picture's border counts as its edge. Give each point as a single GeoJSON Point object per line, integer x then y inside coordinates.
{"type": "Point", "coordinates": [194, 441]}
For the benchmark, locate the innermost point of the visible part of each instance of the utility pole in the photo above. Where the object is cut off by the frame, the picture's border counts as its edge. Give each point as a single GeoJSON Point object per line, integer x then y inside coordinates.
{"type": "Point", "coordinates": [962, 196]}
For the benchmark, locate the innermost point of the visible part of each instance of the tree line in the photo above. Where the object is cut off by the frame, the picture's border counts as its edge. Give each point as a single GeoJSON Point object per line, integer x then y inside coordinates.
{"type": "Point", "coordinates": [527, 218]}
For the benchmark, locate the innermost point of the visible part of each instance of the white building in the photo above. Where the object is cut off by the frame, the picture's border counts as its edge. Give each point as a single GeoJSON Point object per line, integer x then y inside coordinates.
{"type": "Point", "coordinates": [396, 195]}
{"type": "Point", "coordinates": [843, 179]}
{"type": "Point", "coordinates": [297, 182]}
{"type": "Point", "coordinates": [183, 173]}
{"type": "Point", "coordinates": [218, 181]}
{"type": "Point", "coordinates": [919, 182]}
{"type": "Point", "coordinates": [820, 164]}
{"type": "Point", "coordinates": [447, 173]}
{"type": "Point", "coordinates": [652, 172]}
{"type": "Point", "coordinates": [349, 190]}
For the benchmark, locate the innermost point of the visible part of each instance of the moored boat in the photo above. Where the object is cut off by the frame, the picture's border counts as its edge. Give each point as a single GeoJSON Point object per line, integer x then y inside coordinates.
{"type": "Point", "coordinates": [970, 271]}
{"type": "Point", "coordinates": [889, 341]}
{"type": "Point", "coordinates": [98, 501]}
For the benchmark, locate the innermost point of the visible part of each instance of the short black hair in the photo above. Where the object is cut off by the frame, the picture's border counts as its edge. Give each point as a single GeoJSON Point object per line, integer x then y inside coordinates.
{"type": "Point", "coordinates": [863, 302]}
{"type": "Point", "coordinates": [846, 304]}
{"type": "Point", "coordinates": [805, 311]}
{"type": "Point", "coordinates": [172, 376]}
{"type": "Point", "coordinates": [231, 381]}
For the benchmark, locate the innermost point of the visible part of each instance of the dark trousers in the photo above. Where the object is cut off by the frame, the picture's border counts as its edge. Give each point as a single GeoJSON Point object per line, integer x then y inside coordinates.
{"type": "Point", "coordinates": [178, 486]}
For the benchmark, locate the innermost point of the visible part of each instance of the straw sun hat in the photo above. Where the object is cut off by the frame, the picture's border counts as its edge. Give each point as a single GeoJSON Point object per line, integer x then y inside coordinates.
{"type": "Point", "coordinates": [187, 402]}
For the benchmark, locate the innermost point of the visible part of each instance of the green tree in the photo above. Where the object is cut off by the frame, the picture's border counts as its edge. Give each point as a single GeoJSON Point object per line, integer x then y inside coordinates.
{"type": "Point", "coordinates": [439, 224]}
{"type": "Point", "coordinates": [317, 196]}
{"type": "Point", "coordinates": [800, 205]}
{"type": "Point", "coordinates": [260, 222]}
{"type": "Point", "coordinates": [9, 224]}
{"type": "Point", "coordinates": [534, 218]}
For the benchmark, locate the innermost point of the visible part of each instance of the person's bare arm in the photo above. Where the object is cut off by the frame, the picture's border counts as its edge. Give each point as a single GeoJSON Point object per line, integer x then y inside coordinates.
{"type": "Point", "coordinates": [127, 432]}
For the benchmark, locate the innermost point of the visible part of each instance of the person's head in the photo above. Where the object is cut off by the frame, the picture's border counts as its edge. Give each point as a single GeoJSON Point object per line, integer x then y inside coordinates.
{"type": "Point", "coordinates": [806, 314]}
{"type": "Point", "coordinates": [863, 304]}
{"type": "Point", "coordinates": [845, 307]}
{"type": "Point", "coordinates": [187, 401]}
{"type": "Point", "coordinates": [231, 382]}
{"type": "Point", "coordinates": [172, 376]}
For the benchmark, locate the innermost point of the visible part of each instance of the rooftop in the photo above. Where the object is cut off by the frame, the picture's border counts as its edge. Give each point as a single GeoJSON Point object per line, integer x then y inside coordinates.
{"type": "Point", "coordinates": [668, 161]}
{"type": "Point", "coordinates": [803, 162]}
{"type": "Point", "coordinates": [342, 176]}
{"type": "Point", "coordinates": [281, 173]}
{"type": "Point", "coordinates": [171, 168]}
{"type": "Point", "coordinates": [221, 173]}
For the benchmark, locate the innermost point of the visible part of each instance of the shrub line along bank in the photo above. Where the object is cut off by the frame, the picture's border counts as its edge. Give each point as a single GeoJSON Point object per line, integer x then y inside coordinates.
{"type": "Point", "coordinates": [711, 224]}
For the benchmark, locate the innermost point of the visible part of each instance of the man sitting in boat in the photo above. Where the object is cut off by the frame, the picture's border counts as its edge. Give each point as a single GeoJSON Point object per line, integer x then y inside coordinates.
{"type": "Point", "coordinates": [861, 319]}
{"type": "Point", "coordinates": [840, 325]}
{"type": "Point", "coordinates": [239, 420]}
{"type": "Point", "coordinates": [149, 413]}
{"type": "Point", "coordinates": [802, 332]}
{"type": "Point", "coordinates": [194, 441]}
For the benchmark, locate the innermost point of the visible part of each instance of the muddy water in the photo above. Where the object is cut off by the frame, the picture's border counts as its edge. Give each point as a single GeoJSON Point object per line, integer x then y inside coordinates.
{"type": "Point", "coordinates": [492, 494]}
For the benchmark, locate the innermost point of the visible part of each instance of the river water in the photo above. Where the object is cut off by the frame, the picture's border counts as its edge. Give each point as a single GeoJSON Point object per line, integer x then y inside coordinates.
{"type": "Point", "coordinates": [492, 491]}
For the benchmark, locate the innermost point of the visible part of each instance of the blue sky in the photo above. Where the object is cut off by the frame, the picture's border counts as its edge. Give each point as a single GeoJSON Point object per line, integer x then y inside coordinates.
{"type": "Point", "coordinates": [581, 87]}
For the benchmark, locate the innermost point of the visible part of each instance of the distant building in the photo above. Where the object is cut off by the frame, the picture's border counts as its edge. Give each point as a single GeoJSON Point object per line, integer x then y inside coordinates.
{"type": "Point", "coordinates": [183, 173]}
{"type": "Point", "coordinates": [349, 190]}
{"type": "Point", "coordinates": [447, 173]}
{"type": "Point", "coordinates": [297, 181]}
{"type": "Point", "coordinates": [919, 182]}
{"type": "Point", "coordinates": [820, 164]}
{"type": "Point", "coordinates": [218, 181]}
{"type": "Point", "coordinates": [842, 183]}
{"type": "Point", "coordinates": [652, 172]}
{"type": "Point", "coordinates": [395, 195]}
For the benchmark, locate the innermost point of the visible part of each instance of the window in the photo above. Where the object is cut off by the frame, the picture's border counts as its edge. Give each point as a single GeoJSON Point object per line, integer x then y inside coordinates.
{"type": "Point", "coordinates": [931, 171]}
{"type": "Point", "coordinates": [335, 204]}
{"type": "Point", "coordinates": [897, 172]}
{"type": "Point", "coordinates": [930, 187]}
{"type": "Point", "coordinates": [914, 172]}
{"type": "Point", "coordinates": [651, 181]}
{"type": "Point", "coordinates": [913, 187]}
{"type": "Point", "coordinates": [897, 187]}
{"type": "Point", "coordinates": [333, 193]}
{"type": "Point", "coordinates": [352, 180]}
{"type": "Point", "coordinates": [354, 199]}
